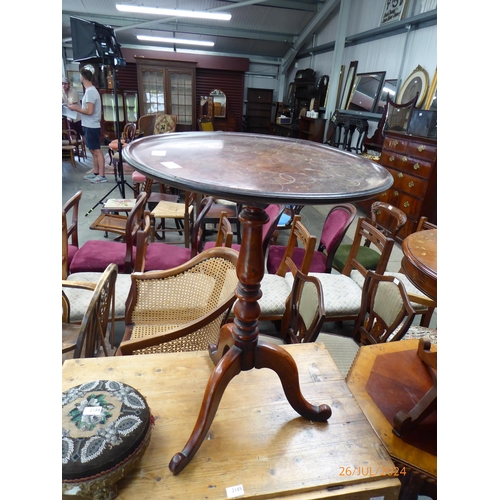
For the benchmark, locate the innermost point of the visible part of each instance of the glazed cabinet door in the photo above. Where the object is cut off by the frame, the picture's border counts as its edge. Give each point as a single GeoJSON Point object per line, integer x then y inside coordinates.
{"type": "Point", "coordinates": [151, 90]}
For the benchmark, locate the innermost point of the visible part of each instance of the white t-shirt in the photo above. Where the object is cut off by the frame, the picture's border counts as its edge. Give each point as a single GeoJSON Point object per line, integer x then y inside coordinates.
{"type": "Point", "coordinates": [92, 96]}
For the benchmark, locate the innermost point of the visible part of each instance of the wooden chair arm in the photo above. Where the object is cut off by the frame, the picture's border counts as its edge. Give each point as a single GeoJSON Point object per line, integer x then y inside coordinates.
{"type": "Point", "coordinates": [421, 299]}
{"type": "Point", "coordinates": [128, 346]}
{"type": "Point", "coordinates": [86, 285]}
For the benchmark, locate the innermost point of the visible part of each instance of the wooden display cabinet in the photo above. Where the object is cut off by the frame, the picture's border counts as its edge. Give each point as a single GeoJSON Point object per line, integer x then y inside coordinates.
{"type": "Point", "coordinates": [127, 112]}
{"type": "Point", "coordinates": [259, 109]}
{"type": "Point", "coordinates": [168, 87]}
{"type": "Point", "coordinates": [311, 129]}
{"type": "Point", "coordinates": [412, 162]}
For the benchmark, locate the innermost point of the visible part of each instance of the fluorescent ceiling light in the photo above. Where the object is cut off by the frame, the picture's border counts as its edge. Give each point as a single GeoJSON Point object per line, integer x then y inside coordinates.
{"type": "Point", "coordinates": [147, 38]}
{"type": "Point", "coordinates": [174, 12]}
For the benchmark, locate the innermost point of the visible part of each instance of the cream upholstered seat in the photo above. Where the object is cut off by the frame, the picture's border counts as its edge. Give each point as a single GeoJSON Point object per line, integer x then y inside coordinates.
{"type": "Point", "coordinates": [277, 287]}
{"type": "Point", "coordinates": [90, 339]}
{"type": "Point", "coordinates": [79, 298]}
{"type": "Point", "coordinates": [342, 293]}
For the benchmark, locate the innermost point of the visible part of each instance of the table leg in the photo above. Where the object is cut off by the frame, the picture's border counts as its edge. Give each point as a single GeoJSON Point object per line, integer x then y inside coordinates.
{"type": "Point", "coordinates": [239, 349]}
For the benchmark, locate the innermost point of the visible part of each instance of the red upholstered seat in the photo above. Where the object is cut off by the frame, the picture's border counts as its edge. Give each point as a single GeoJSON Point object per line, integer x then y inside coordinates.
{"type": "Point", "coordinates": [96, 255]}
{"type": "Point", "coordinates": [163, 256]}
{"type": "Point", "coordinates": [72, 249]}
{"type": "Point", "coordinates": [336, 224]}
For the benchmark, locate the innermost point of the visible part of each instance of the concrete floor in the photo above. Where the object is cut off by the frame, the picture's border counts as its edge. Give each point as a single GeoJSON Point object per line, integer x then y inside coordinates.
{"type": "Point", "coordinates": [92, 194]}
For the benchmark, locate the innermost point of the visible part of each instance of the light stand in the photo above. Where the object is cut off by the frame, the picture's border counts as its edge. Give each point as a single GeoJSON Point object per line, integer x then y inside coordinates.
{"type": "Point", "coordinates": [120, 181]}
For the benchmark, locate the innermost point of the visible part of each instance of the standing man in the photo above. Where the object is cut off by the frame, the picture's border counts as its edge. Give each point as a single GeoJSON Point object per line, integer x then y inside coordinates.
{"type": "Point", "coordinates": [91, 124]}
{"type": "Point", "coordinates": [70, 96]}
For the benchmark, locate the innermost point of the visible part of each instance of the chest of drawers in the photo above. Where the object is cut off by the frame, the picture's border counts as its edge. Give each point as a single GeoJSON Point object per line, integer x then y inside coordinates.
{"type": "Point", "coordinates": [412, 161]}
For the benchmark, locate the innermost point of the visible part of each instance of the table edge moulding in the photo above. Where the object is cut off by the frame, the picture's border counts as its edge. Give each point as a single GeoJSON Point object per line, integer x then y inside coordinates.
{"type": "Point", "coordinates": [256, 170]}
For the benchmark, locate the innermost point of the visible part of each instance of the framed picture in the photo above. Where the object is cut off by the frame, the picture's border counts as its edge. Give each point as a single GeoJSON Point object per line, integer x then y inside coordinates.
{"type": "Point", "coordinates": [417, 82]}
{"type": "Point", "coordinates": [339, 86]}
{"type": "Point", "coordinates": [349, 82]}
{"type": "Point", "coordinates": [431, 100]}
{"type": "Point", "coordinates": [393, 11]}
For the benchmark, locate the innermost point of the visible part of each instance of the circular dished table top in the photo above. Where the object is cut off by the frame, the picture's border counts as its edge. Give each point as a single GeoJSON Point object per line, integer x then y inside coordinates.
{"type": "Point", "coordinates": [257, 169]}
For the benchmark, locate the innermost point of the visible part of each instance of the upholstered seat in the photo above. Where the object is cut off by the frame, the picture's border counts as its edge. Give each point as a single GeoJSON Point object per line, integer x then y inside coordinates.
{"type": "Point", "coordinates": [336, 224]}
{"type": "Point", "coordinates": [161, 256]}
{"type": "Point", "coordinates": [96, 255]}
{"type": "Point", "coordinates": [80, 298]}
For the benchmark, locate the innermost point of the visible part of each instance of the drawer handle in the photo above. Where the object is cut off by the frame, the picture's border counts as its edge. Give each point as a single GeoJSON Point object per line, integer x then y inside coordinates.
{"type": "Point", "coordinates": [404, 158]}
{"type": "Point", "coordinates": [383, 194]}
{"type": "Point", "coordinates": [421, 148]}
{"type": "Point", "coordinates": [406, 204]}
{"type": "Point", "coordinates": [411, 184]}
{"type": "Point", "coordinates": [416, 166]}
{"type": "Point", "coordinates": [393, 143]}
{"type": "Point", "coordinates": [391, 158]}
{"type": "Point", "coordinates": [400, 175]}
{"type": "Point", "coordinates": [396, 193]}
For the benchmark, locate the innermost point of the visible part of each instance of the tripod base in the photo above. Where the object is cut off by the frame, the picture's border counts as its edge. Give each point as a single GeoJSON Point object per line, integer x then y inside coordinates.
{"type": "Point", "coordinates": [239, 349]}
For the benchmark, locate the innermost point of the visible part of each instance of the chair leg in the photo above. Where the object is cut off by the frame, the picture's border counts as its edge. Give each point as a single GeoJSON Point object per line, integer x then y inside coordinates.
{"type": "Point", "coordinates": [425, 320]}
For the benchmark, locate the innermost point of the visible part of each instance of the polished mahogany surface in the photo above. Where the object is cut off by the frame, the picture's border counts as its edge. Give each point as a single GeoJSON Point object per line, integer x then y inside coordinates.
{"type": "Point", "coordinates": [257, 168]}
{"type": "Point", "coordinates": [420, 261]}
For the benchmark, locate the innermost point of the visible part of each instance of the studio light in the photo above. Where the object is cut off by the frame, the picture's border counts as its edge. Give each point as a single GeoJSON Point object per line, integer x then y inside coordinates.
{"type": "Point", "coordinates": [162, 39]}
{"type": "Point", "coordinates": [219, 16]}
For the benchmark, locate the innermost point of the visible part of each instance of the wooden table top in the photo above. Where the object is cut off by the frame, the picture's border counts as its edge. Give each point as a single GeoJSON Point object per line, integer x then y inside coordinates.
{"type": "Point", "coordinates": [389, 377]}
{"type": "Point", "coordinates": [256, 440]}
{"type": "Point", "coordinates": [257, 168]}
{"type": "Point", "coordinates": [420, 260]}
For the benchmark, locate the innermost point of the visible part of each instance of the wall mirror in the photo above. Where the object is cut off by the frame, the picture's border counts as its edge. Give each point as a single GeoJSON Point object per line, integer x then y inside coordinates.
{"type": "Point", "coordinates": [366, 91]}
{"type": "Point", "coordinates": [219, 103]}
{"type": "Point", "coordinates": [388, 90]}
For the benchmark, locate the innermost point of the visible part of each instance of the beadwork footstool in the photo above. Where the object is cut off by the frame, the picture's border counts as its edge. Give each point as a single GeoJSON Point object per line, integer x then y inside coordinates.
{"type": "Point", "coordinates": [106, 428]}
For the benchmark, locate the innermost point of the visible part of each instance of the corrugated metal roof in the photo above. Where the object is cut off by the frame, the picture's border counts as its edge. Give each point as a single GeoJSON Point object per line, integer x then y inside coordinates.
{"type": "Point", "coordinates": [258, 29]}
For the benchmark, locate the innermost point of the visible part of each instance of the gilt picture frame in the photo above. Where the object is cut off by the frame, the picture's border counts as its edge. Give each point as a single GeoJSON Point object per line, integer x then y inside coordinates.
{"type": "Point", "coordinates": [417, 82]}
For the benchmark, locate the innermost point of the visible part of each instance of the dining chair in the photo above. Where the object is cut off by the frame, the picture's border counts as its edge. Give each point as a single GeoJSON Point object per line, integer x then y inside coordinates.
{"type": "Point", "coordinates": [111, 219]}
{"type": "Point", "coordinates": [393, 218]}
{"type": "Point", "coordinates": [79, 297]}
{"type": "Point", "coordinates": [286, 219]}
{"type": "Point", "coordinates": [180, 309]}
{"type": "Point", "coordinates": [90, 338]}
{"type": "Point", "coordinates": [232, 210]}
{"type": "Point", "coordinates": [128, 135]}
{"type": "Point", "coordinates": [160, 256]}
{"type": "Point", "coordinates": [277, 287]}
{"type": "Point", "coordinates": [96, 255]}
{"type": "Point", "coordinates": [70, 231]}
{"type": "Point", "coordinates": [182, 214]}
{"type": "Point", "coordinates": [342, 292]}
{"type": "Point", "coordinates": [224, 236]}
{"type": "Point", "coordinates": [336, 224]}
{"type": "Point", "coordinates": [304, 318]}
{"type": "Point", "coordinates": [274, 212]}
{"type": "Point", "coordinates": [386, 313]}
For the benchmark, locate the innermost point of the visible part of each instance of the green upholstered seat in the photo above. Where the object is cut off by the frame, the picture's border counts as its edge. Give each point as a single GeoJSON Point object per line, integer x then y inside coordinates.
{"type": "Point", "coordinates": [367, 256]}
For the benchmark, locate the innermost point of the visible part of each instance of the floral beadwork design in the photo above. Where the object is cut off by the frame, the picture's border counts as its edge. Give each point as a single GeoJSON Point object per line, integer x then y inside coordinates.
{"type": "Point", "coordinates": [107, 434]}
{"type": "Point", "coordinates": [87, 422]}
